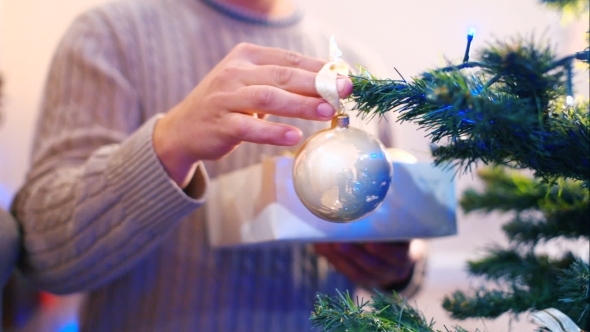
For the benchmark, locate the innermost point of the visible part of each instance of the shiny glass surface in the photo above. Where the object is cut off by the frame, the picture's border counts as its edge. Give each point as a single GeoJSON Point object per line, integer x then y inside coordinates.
{"type": "Point", "coordinates": [342, 174]}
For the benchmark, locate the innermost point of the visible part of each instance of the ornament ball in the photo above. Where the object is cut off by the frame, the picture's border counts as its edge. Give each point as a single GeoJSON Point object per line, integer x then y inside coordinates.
{"type": "Point", "coordinates": [343, 173]}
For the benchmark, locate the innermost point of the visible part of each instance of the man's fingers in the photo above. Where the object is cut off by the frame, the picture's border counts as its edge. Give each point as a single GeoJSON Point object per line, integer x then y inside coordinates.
{"type": "Point", "coordinates": [243, 127]}
{"type": "Point", "coordinates": [394, 253]}
{"type": "Point", "coordinates": [270, 100]}
{"type": "Point", "coordinates": [294, 80]}
{"type": "Point", "coordinates": [262, 55]}
{"type": "Point", "coordinates": [375, 267]}
{"type": "Point", "coordinates": [362, 266]}
{"type": "Point", "coordinates": [342, 263]}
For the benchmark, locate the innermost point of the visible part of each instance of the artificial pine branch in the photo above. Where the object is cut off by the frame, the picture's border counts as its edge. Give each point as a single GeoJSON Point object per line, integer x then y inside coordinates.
{"type": "Point", "coordinates": [543, 211]}
{"type": "Point", "coordinates": [532, 230]}
{"type": "Point", "coordinates": [515, 118]}
{"type": "Point", "coordinates": [383, 313]}
{"type": "Point", "coordinates": [342, 313]}
{"type": "Point", "coordinates": [505, 191]}
{"type": "Point", "coordinates": [567, 5]}
{"type": "Point", "coordinates": [520, 269]}
{"type": "Point", "coordinates": [575, 289]}
{"type": "Point", "coordinates": [513, 107]}
{"type": "Point", "coordinates": [530, 283]}
{"type": "Point", "coordinates": [484, 303]}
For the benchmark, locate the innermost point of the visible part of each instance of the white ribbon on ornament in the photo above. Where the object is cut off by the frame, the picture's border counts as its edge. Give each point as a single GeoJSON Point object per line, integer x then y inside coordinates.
{"type": "Point", "coordinates": [325, 80]}
{"type": "Point", "coordinates": [554, 320]}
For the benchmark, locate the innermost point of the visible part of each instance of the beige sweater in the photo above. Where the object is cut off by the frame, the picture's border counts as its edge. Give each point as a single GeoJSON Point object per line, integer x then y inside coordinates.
{"type": "Point", "coordinates": [100, 214]}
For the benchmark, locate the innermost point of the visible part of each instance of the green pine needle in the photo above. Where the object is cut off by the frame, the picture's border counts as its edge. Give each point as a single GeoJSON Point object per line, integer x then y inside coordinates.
{"type": "Point", "coordinates": [384, 313]}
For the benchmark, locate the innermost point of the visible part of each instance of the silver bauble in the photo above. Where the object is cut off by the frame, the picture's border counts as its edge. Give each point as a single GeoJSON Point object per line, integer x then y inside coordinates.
{"type": "Point", "coordinates": [343, 173]}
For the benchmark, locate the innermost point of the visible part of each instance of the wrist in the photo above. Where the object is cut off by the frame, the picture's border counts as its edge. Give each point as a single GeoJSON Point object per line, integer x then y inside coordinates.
{"type": "Point", "coordinates": [178, 165]}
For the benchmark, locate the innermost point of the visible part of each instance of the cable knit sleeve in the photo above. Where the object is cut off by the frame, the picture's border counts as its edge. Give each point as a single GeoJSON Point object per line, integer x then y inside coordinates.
{"type": "Point", "coordinates": [97, 200]}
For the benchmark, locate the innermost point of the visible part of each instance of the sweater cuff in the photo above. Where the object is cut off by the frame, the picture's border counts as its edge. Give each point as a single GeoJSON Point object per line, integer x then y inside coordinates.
{"type": "Point", "coordinates": [138, 176]}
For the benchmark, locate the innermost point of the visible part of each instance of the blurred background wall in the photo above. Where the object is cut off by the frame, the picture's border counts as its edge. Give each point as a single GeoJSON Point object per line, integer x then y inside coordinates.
{"type": "Point", "coordinates": [409, 35]}
{"type": "Point", "coordinates": [29, 33]}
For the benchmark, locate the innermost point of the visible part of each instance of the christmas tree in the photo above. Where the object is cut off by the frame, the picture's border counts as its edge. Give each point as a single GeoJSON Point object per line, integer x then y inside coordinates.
{"type": "Point", "coordinates": [513, 110]}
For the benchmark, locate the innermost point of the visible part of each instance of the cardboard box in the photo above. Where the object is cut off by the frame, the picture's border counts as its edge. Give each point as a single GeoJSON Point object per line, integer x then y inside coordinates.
{"type": "Point", "coordinates": [258, 205]}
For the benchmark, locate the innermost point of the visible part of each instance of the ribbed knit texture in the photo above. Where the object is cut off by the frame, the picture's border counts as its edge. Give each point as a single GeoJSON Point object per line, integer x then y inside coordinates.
{"type": "Point", "coordinates": [98, 210]}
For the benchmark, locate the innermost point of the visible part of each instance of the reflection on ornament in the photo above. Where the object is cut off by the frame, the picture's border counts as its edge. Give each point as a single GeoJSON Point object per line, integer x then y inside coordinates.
{"type": "Point", "coordinates": [342, 174]}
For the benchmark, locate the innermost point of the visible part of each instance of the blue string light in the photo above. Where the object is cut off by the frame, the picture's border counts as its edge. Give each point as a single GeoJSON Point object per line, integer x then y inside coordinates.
{"type": "Point", "coordinates": [71, 326]}
{"type": "Point", "coordinates": [470, 34]}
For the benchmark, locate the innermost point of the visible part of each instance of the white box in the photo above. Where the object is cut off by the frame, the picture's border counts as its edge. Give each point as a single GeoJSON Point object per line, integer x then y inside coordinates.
{"type": "Point", "coordinates": [258, 205]}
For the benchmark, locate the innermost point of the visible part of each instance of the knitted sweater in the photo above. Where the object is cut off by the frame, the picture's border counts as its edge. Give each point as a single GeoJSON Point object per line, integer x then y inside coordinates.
{"type": "Point", "coordinates": [99, 212]}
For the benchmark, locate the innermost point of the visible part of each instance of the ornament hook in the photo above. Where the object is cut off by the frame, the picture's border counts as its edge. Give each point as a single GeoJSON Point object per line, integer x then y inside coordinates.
{"type": "Point", "coordinates": [341, 110]}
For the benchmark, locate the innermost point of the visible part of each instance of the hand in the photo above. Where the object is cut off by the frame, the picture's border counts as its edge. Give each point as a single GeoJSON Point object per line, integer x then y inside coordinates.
{"type": "Point", "coordinates": [374, 265]}
{"type": "Point", "coordinates": [229, 105]}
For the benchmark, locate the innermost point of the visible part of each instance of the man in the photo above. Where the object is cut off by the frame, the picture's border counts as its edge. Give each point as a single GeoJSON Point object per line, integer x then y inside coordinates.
{"type": "Point", "coordinates": [145, 101]}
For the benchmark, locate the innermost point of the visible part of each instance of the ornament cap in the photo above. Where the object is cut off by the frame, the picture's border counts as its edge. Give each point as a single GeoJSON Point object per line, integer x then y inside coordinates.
{"type": "Point", "coordinates": [341, 120]}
